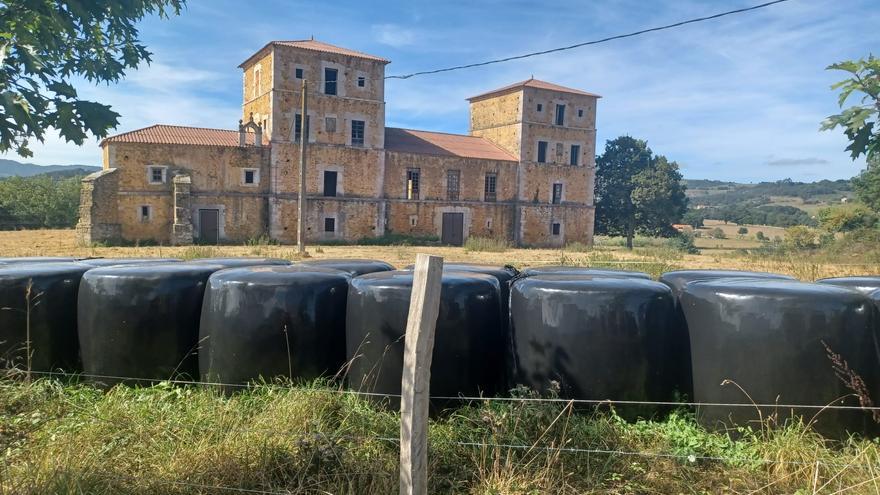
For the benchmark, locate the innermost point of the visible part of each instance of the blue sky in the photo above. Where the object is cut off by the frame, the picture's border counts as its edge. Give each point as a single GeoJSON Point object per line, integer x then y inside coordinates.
{"type": "Point", "coordinates": [739, 98]}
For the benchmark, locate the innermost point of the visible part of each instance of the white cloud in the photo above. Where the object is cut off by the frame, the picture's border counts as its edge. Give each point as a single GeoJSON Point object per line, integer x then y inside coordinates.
{"type": "Point", "coordinates": [393, 35]}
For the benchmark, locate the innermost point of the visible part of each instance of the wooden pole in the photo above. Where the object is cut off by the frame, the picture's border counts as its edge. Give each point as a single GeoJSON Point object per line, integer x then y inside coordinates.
{"type": "Point", "coordinates": [303, 142]}
{"type": "Point", "coordinates": [415, 390]}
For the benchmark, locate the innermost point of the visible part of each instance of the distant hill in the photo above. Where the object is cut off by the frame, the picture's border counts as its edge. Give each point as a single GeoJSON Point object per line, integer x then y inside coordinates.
{"type": "Point", "coordinates": [12, 168]}
{"type": "Point", "coordinates": [807, 196]}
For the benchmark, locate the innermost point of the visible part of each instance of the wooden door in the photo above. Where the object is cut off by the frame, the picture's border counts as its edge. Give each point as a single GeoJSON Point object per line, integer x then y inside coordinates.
{"type": "Point", "coordinates": [453, 229]}
{"type": "Point", "coordinates": [209, 226]}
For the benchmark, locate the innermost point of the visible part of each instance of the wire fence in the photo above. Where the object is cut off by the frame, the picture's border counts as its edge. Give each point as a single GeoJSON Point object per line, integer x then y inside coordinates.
{"type": "Point", "coordinates": [537, 447]}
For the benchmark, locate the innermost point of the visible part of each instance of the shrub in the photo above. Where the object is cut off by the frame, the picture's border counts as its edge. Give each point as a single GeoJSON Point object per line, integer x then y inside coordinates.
{"type": "Point", "coordinates": [486, 244]}
{"type": "Point", "coordinates": [742, 231]}
{"type": "Point", "coordinates": [717, 233]}
{"type": "Point", "coordinates": [801, 237]}
{"type": "Point", "coordinates": [761, 237]}
{"type": "Point", "coordinates": [684, 243]}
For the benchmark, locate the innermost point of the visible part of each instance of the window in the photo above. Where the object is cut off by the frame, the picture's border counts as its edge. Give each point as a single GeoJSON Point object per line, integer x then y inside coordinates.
{"type": "Point", "coordinates": [453, 184]}
{"type": "Point", "coordinates": [330, 124]}
{"type": "Point", "coordinates": [540, 107]}
{"type": "Point", "coordinates": [298, 72]}
{"type": "Point", "coordinates": [489, 186]}
{"type": "Point", "coordinates": [329, 224]}
{"type": "Point", "coordinates": [330, 178]}
{"type": "Point", "coordinates": [557, 194]}
{"type": "Point", "coordinates": [330, 81]}
{"type": "Point", "coordinates": [542, 151]}
{"type": "Point", "coordinates": [250, 176]}
{"type": "Point", "coordinates": [580, 112]}
{"type": "Point", "coordinates": [574, 157]}
{"type": "Point", "coordinates": [412, 183]}
{"type": "Point", "coordinates": [258, 82]}
{"type": "Point", "coordinates": [145, 213]}
{"type": "Point", "coordinates": [357, 132]}
{"type": "Point", "coordinates": [560, 114]}
{"type": "Point", "coordinates": [297, 127]}
{"type": "Point", "coordinates": [413, 220]}
{"type": "Point", "coordinates": [362, 81]}
{"type": "Point", "coordinates": [555, 227]}
{"type": "Point", "coordinates": [156, 175]}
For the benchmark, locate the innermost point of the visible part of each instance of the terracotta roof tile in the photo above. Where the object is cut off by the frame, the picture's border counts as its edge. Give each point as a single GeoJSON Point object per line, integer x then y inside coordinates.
{"type": "Point", "coordinates": [440, 143]}
{"type": "Point", "coordinates": [533, 83]}
{"type": "Point", "coordinates": [175, 134]}
{"type": "Point", "coordinates": [318, 46]}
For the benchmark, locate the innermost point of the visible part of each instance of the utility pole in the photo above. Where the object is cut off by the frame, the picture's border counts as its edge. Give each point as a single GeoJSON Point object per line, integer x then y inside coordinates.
{"type": "Point", "coordinates": [301, 208]}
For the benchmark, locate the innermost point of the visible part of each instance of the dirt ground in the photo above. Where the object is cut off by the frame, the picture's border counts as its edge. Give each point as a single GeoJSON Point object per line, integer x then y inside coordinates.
{"type": "Point", "coordinates": [653, 260]}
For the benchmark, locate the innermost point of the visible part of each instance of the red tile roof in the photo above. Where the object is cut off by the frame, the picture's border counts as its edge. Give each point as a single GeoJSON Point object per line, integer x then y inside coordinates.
{"type": "Point", "coordinates": [175, 134]}
{"type": "Point", "coordinates": [533, 83]}
{"type": "Point", "coordinates": [318, 46]}
{"type": "Point", "coordinates": [440, 143]}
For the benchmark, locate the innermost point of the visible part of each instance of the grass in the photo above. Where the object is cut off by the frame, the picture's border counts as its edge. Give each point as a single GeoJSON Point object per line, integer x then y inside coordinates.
{"type": "Point", "coordinates": [68, 438]}
{"type": "Point", "coordinates": [486, 245]}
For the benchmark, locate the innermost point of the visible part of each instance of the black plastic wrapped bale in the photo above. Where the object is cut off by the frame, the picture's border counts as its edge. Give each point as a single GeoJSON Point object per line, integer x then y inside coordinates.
{"type": "Point", "coordinates": [101, 262]}
{"type": "Point", "coordinates": [677, 279]}
{"type": "Point", "coordinates": [48, 291]}
{"type": "Point", "coordinates": [36, 259]}
{"type": "Point", "coordinates": [355, 267]}
{"type": "Point", "coordinates": [767, 338]}
{"type": "Point", "coordinates": [582, 271]}
{"type": "Point", "coordinates": [594, 338]}
{"type": "Point", "coordinates": [865, 284]}
{"type": "Point", "coordinates": [468, 341]}
{"type": "Point", "coordinates": [265, 322]}
{"type": "Point", "coordinates": [242, 262]}
{"type": "Point", "coordinates": [142, 321]}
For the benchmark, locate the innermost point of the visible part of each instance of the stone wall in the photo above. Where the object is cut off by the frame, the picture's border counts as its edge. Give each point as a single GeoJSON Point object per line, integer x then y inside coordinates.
{"type": "Point", "coordinates": [98, 214]}
{"type": "Point", "coordinates": [576, 225]}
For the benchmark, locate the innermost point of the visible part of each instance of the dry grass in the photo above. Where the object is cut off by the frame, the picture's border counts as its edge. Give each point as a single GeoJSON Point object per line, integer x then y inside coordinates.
{"type": "Point", "coordinates": [653, 258]}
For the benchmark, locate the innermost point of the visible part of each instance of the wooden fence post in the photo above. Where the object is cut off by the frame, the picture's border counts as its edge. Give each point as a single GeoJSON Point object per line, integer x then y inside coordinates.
{"type": "Point", "coordinates": [415, 390]}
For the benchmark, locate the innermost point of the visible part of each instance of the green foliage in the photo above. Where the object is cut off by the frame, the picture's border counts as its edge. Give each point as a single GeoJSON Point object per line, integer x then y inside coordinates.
{"type": "Point", "coordinates": [801, 237]}
{"type": "Point", "coordinates": [742, 231]}
{"type": "Point", "coordinates": [684, 243]}
{"type": "Point", "coordinates": [718, 233]}
{"type": "Point", "coordinates": [637, 192]}
{"type": "Point", "coordinates": [40, 201]}
{"type": "Point", "coordinates": [759, 235]}
{"type": "Point", "coordinates": [867, 184]}
{"type": "Point", "coordinates": [45, 44]}
{"type": "Point", "coordinates": [846, 218]}
{"type": "Point", "coordinates": [711, 194]}
{"type": "Point", "coordinates": [859, 122]}
{"type": "Point", "coordinates": [486, 244]}
{"type": "Point", "coordinates": [693, 217]}
{"type": "Point", "coordinates": [747, 214]}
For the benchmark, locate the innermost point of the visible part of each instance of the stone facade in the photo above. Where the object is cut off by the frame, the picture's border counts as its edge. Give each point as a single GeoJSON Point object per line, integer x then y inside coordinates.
{"type": "Point", "coordinates": [525, 173]}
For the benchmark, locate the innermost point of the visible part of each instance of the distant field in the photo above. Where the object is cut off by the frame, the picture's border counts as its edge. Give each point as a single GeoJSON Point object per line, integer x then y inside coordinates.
{"type": "Point", "coordinates": [734, 240]}
{"type": "Point", "coordinates": [653, 258]}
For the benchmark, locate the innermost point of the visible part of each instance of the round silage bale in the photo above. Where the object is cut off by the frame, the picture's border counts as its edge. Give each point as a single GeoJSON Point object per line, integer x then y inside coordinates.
{"type": "Point", "coordinates": [763, 341]}
{"type": "Point", "coordinates": [99, 262]}
{"type": "Point", "coordinates": [242, 262]}
{"type": "Point", "coordinates": [141, 321]}
{"type": "Point", "coordinates": [865, 284]}
{"type": "Point", "coordinates": [353, 266]}
{"type": "Point", "coordinates": [265, 322]}
{"type": "Point", "coordinates": [45, 295]}
{"type": "Point", "coordinates": [594, 338]}
{"type": "Point", "coordinates": [469, 344]}
{"type": "Point", "coordinates": [36, 259]}
{"type": "Point", "coordinates": [582, 270]}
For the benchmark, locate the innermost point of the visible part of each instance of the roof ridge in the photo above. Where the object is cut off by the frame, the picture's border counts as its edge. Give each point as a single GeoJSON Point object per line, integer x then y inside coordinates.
{"type": "Point", "coordinates": [436, 132]}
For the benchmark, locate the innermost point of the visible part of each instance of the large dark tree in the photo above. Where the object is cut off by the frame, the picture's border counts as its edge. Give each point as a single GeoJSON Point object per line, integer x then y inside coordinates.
{"type": "Point", "coordinates": [46, 44]}
{"type": "Point", "coordinates": [637, 192]}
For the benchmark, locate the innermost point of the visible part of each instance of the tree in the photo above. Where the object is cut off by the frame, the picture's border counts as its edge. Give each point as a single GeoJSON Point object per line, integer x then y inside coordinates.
{"type": "Point", "coordinates": [801, 237]}
{"type": "Point", "coordinates": [718, 233]}
{"type": "Point", "coordinates": [846, 219]}
{"type": "Point", "coordinates": [742, 231]}
{"type": "Point", "coordinates": [694, 218]}
{"type": "Point", "coordinates": [859, 122]}
{"type": "Point", "coordinates": [44, 44]}
{"type": "Point", "coordinates": [759, 235]}
{"type": "Point", "coordinates": [636, 191]}
{"type": "Point", "coordinates": [867, 184]}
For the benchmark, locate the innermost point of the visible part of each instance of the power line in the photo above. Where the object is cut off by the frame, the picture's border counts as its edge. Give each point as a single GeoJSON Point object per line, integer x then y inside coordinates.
{"type": "Point", "coordinates": [586, 43]}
